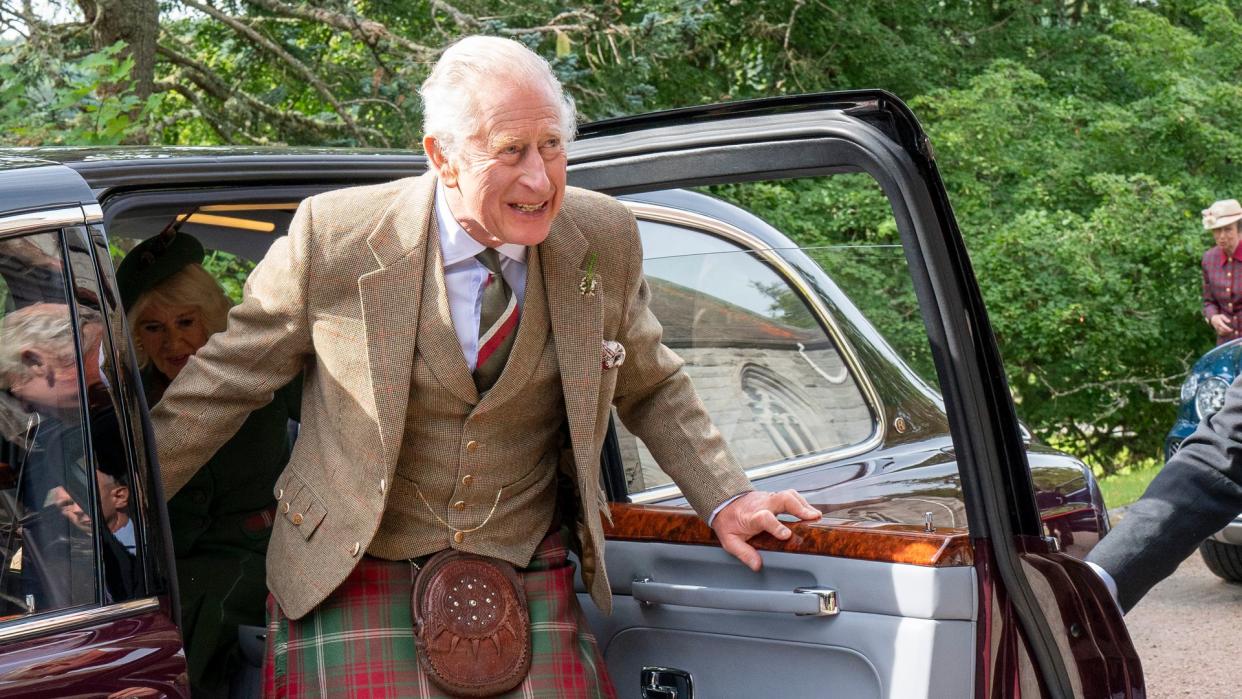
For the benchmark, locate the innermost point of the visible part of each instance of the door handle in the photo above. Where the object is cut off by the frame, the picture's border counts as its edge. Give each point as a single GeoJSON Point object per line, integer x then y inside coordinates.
{"type": "Point", "coordinates": [666, 683]}
{"type": "Point", "coordinates": [803, 601]}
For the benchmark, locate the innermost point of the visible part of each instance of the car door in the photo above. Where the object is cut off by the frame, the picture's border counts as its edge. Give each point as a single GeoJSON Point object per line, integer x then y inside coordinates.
{"type": "Point", "coordinates": [86, 603]}
{"type": "Point", "coordinates": [983, 606]}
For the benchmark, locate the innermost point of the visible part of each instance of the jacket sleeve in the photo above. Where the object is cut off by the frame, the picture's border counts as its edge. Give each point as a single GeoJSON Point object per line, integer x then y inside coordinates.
{"type": "Point", "coordinates": [1210, 308]}
{"type": "Point", "coordinates": [657, 402]}
{"type": "Point", "coordinates": [1196, 494]}
{"type": "Point", "coordinates": [264, 346]}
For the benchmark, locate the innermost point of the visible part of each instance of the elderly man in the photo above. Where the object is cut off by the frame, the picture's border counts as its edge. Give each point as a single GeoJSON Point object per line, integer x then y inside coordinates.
{"type": "Point", "coordinates": [464, 335]}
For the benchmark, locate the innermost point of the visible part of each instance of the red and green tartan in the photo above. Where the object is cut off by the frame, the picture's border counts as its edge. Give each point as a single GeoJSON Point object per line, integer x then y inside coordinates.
{"type": "Point", "coordinates": [360, 641]}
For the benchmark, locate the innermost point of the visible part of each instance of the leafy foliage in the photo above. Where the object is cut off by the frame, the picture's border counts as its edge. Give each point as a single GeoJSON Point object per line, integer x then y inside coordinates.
{"type": "Point", "coordinates": [48, 100]}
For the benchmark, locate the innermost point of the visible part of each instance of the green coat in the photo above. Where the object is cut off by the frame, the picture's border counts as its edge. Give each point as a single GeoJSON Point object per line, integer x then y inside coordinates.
{"type": "Point", "coordinates": [220, 528]}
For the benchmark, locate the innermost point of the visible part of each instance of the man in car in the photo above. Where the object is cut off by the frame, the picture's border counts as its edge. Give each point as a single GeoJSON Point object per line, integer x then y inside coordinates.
{"type": "Point", "coordinates": [464, 336]}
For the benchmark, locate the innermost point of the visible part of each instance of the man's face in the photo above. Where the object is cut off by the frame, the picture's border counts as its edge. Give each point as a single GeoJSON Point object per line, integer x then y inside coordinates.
{"type": "Point", "coordinates": [46, 381]}
{"type": "Point", "coordinates": [1226, 237]}
{"type": "Point", "coordinates": [70, 508]}
{"type": "Point", "coordinates": [508, 180]}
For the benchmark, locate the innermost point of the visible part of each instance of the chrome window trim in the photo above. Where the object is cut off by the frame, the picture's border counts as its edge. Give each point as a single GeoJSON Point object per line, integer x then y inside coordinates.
{"type": "Point", "coordinates": [71, 619]}
{"type": "Point", "coordinates": [754, 245]}
{"type": "Point", "coordinates": [41, 220]}
{"type": "Point", "coordinates": [93, 213]}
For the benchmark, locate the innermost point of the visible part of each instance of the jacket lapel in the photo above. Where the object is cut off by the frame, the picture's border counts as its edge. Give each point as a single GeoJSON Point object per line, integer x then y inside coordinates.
{"type": "Point", "coordinates": [391, 297]}
{"type": "Point", "coordinates": [578, 330]}
{"type": "Point", "coordinates": [438, 343]}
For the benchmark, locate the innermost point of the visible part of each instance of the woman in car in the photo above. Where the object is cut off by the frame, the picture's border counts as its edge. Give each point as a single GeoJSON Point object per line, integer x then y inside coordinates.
{"type": "Point", "coordinates": [221, 521]}
{"type": "Point", "coordinates": [1222, 271]}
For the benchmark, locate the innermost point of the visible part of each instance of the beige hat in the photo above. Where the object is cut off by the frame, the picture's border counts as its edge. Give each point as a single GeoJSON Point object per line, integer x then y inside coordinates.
{"type": "Point", "coordinates": [1222, 213]}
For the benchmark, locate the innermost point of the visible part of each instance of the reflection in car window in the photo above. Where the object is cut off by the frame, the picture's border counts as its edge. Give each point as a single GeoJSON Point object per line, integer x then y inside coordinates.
{"type": "Point", "coordinates": [771, 378]}
{"type": "Point", "coordinates": [118, 535]}
{"type": "Point", "coordinates": [47, 510]}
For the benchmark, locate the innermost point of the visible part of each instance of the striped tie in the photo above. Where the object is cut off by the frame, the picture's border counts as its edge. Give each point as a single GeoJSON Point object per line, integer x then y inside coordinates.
{"type": "Point", "coordinates": [498, 323]}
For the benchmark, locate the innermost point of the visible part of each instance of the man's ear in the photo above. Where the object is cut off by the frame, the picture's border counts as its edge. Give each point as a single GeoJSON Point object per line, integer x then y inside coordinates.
{"type": "Point", "coordinates": [121, 493]}
{"type": "Point", "coordinates": [440, 161]}
{"type": "Point", "coordinates": [34, 362]}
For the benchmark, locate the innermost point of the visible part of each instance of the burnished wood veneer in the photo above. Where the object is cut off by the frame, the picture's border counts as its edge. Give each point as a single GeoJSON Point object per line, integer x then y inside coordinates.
{"type": "Point", "coordinates": [869, 541]}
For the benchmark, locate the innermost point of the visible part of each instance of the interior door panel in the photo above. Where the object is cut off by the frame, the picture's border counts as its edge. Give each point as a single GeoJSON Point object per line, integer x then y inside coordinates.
{"type": "Point", "coordinates": [903, 629]}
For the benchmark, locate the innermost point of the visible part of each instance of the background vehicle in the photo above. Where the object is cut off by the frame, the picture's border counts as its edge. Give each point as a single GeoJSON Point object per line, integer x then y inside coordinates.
{"type": "Point", "coordinates": [1203, 393]}
{"type": "Point", "coordinates": [943, 567]}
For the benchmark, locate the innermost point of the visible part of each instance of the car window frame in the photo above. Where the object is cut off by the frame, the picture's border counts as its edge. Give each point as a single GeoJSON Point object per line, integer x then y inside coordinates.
{"type": "Point", "coordinates": [748, 243]}
{"type": "Point", "coordinates": [54, 221]}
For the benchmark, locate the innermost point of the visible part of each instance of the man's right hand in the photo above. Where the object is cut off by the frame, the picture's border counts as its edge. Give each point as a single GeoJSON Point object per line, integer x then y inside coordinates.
{"type": "Point", "coordinates": [1220, 323]}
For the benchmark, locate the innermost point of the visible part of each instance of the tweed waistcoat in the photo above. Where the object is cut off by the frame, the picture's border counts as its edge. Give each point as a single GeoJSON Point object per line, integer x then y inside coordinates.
{"type": "Point", "coordinates": [476, 474]}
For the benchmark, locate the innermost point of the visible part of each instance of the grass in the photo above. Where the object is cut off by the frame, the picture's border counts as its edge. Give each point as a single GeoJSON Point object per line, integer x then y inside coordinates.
{"type": "Point", "coordinates": [1125, 486]}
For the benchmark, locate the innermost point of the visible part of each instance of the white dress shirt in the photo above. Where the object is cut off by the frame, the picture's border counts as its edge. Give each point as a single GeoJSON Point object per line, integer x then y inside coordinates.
{"type": "Point", "coordinates": [464, 276]}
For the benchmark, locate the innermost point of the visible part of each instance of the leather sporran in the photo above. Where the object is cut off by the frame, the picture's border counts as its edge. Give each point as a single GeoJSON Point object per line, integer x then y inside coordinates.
{"type": "Point", "coordinates": [471, 624]}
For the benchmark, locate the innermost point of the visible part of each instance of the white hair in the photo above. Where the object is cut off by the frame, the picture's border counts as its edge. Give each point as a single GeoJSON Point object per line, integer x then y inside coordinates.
{"type": "Point", "coordinates": [469, 67]}
{"type": "Point", "coordinates": [47, 327]}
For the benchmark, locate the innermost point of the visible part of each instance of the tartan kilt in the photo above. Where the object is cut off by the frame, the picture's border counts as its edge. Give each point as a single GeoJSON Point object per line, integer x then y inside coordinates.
{"type": "Point", "coordinates": [360, 641]}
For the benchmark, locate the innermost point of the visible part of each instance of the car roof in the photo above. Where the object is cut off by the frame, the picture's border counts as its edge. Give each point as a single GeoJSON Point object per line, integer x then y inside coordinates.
{"type": "Point", "coordinates": [35, 184]}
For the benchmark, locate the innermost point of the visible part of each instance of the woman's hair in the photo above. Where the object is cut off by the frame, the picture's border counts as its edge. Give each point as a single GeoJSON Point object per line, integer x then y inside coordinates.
{"type": "Point", "coordinates": [191, 286]}
{"type": "Point", "coordinates": [47, 327]}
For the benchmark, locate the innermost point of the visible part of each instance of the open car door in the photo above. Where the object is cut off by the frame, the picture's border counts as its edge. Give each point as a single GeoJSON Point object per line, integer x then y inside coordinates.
{"type": "Point", "coordinates": [950, 587]}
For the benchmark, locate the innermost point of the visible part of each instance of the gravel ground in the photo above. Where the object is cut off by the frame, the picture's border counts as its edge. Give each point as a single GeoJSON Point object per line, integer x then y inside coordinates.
{"type": "Point", "coordinates": [1188, 632]}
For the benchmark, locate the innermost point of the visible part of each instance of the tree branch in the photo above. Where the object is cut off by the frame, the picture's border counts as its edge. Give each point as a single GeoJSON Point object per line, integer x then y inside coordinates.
{"type": "Point", "coordinates": [206, 79]}
{"type": "Point", "coordinates": [298, 67]}
{"type": "Point", "coordinates": [368, 31]}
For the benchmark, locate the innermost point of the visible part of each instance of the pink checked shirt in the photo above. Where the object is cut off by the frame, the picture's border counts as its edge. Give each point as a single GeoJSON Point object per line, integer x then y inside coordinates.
{"type": "Point", "coordinates": [1222, 288]}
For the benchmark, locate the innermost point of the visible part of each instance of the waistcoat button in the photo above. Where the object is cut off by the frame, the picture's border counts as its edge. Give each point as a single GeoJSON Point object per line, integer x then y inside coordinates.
{"type": "Point", "coordinates": [383, 484]}
{"type": "Point", "coordinates": [472, 446]}
{"type": "Point", "coordinates": [458, 537]}
{"type": "Point", "coordinates": [467, 480]}
{"type": "Point", "coordinates": [459, 505]}
{"type": "Point", "coordinates": [353, 550]}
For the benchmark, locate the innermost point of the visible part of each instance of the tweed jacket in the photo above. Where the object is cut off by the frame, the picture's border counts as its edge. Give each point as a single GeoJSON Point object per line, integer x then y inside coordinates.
{"type": "Point", "coordinates": [1195, 495]}
{"type": "Point", "coordinates": [339, 298]}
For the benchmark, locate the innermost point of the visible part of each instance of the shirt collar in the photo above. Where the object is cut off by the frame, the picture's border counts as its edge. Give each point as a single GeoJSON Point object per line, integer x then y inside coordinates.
{"type": "Point", "coordinates": [457, 245]}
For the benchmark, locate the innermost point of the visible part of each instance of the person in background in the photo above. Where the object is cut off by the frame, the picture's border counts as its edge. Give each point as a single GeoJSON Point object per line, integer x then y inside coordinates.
{"type": "Point", "coordinates": [221, 521]}
{"type": "Point", "coordinates": [1222, 271]}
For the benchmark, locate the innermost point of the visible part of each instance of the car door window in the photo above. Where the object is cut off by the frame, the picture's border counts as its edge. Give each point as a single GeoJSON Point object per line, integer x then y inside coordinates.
{"type": "Point", "coordinates": [49, 355]}
{"type": "Point", "coordinates": [771, 377]}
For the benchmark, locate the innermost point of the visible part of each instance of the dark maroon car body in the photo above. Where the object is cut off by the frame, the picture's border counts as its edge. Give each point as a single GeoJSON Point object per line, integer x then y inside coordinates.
{"type": "Point", "coordinates": [1045, 625]}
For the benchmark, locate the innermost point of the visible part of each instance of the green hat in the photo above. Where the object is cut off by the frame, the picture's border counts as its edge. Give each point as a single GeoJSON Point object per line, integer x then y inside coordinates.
{"type": "Point", "coordinates": [154, 260]}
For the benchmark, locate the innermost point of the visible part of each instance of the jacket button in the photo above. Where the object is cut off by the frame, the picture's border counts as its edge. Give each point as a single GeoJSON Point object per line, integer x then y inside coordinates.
{"type": "Point", "coordinates": [280, 493]}
{"type": "Point", "coordinates": [353, 550]}
{"type": "Point", "coordinates": [459, 505]}
{"type": "Point", "coordinates": [296, 518]}
{"type": "Point", "coordinates": [284, 508]}
{"type": "Point", "coordinates": [458, 537]}
{"type": "Point", "coordinates": [472, 446]}
{"type": "Point", "coordinates": [383, 484]}
{"type": "Point", "coordinates": [467, 480]}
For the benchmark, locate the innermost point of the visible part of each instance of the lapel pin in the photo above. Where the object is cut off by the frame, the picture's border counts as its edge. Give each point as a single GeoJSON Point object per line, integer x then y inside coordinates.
{"type": "Point", "coordinates": [589, 283]}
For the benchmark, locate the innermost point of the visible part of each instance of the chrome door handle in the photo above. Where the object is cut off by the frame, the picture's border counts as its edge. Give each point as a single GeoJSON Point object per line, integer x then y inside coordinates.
{"type": "Point", "coordinates": [804, 601]}
{"type": "Point", "coordinates": [666, 683]}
